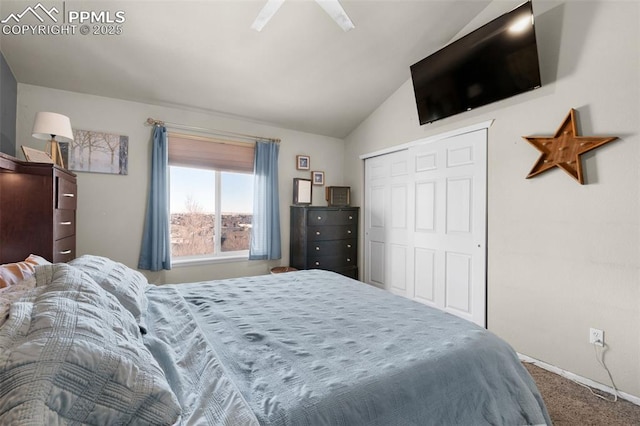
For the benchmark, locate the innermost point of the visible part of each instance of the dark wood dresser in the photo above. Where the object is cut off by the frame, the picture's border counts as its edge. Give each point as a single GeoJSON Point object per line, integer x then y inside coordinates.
{"type": "Point", "coordinates": [325, 238]}
{"type": "Point", "coordinates": [37, 211]}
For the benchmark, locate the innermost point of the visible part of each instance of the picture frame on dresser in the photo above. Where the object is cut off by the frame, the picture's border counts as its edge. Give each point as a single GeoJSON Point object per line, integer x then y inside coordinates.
{"type": "Point", "coordinates": [36, 156]}
{"type": "Point", "coordinates": [301, 191]}
{"type": "Point", "coordinates": [338, 196]}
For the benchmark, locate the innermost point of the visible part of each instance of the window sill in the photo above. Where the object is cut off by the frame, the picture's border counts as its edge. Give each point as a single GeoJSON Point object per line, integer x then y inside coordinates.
{"type": "Point", "coordinates": [196, 261]}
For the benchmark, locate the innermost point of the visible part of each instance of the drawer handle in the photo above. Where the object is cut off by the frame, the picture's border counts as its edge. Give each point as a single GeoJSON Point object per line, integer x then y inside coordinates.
{"type": "Point", "coordinates": [317, 248]}
{"type": "Point", "coordinates": [317, 263]}
{"type": "Point", "coordinates": [68, 195]}
{"type": "Point", "coordinates": [65, 223]}
{"type": "Point", "coordinates": [319, 217]}
{"type": "Point", "coordinates": [65, 252]}
{"type": "Point", "coordinates": [348, 231]}
{"type": "Point", "coordinates": [317, 232]}
{"type": "Point", "coordinates": [348, 260]}
{"type": "Point", "coordinates": [350, 217]}
{"type": "Point", "coordinates": [348, 245]}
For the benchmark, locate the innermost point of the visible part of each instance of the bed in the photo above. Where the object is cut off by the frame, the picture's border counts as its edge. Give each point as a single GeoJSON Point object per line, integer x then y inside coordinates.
{"type": "Point", "coordinates": [93, 342]}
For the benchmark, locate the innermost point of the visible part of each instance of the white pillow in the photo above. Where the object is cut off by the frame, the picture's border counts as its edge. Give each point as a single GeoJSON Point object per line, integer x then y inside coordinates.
{"type": "Point", "coordinates": [71, 353]}
{"type": "Point", "coordinates": [126, 284]}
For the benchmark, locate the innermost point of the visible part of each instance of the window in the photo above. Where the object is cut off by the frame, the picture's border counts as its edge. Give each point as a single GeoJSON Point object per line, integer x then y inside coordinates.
{"type": "Point", "coordinates": [211, 197]}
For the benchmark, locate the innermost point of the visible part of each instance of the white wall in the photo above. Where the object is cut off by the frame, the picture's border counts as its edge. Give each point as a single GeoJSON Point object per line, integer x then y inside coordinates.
{"type": "Point", "coordinates": [111, 208]}
{"type": "Point", "coordinates": [561, 257]}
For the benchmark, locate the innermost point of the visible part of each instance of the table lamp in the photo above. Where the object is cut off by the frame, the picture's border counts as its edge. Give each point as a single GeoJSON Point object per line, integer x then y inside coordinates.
{"type": "Point", "coordinates": [54, 128]}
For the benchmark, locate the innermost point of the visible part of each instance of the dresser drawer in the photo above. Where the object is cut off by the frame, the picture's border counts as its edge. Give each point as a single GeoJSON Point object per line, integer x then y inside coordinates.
{"type": "Point", "coordinates": [64, 250]}
{"type": "Point", "coordinates": [322, 233]}
{"type": "Point", "coordinates": [66, 192]}
{"type": "Point", "coordinates": [329, 247]}
{"type": "Point", "coordinates": [332, 217]}
{"type": "Point", "coordinates": [350, 271]}
{"type": "Point", "coordinates": [330, 262]}
{"type": "Point", "coordinates": [64, 223]}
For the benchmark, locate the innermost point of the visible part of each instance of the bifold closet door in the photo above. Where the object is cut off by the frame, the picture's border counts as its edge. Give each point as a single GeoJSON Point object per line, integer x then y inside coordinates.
{"type": "Point", "coordinates": [425, 224]}
{"type": "Point", "coordinates": [387, 226]}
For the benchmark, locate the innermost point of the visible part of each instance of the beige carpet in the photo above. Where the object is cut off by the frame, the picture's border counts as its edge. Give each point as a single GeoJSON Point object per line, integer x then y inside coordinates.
{"type": "Point", "coordinates": [571, 404]}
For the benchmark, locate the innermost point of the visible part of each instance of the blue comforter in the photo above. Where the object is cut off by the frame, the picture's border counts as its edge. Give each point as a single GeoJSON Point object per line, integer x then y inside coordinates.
{"type": "Point", "coordinates": [316, 348]}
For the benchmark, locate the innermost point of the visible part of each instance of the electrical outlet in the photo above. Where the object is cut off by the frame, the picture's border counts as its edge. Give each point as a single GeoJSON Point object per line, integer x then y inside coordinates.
{"type": "Point", "coordinates": [596, 337]}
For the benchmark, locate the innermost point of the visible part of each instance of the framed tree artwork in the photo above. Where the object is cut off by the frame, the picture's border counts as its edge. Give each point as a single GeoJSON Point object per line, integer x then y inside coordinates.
{"type": "Point", "coordinates": [97, 152]}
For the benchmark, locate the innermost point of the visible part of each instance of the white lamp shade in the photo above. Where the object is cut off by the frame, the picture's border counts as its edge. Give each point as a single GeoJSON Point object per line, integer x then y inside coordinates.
{"type": "Point", "coordinates": [50, 125]}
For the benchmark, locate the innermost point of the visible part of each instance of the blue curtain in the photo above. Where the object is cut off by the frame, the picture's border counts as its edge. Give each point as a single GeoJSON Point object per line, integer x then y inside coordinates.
{"type": "Point", "coordinates": [156, 239]}
{"type": "Point", "coordinates": [265, 230]}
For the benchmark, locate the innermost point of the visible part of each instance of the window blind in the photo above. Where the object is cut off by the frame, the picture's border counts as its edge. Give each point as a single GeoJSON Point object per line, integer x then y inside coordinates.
{"type": "Point", "coordinates": [210, 153]}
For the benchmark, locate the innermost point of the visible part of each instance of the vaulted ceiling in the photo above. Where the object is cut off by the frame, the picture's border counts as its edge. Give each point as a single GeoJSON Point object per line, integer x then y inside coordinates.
{"type": "Point", "coordinates": [300, 72]}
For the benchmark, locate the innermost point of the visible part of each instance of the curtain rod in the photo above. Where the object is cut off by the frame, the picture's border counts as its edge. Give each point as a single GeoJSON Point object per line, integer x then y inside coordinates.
{"type": "Point", "coordinates": [154, 122]}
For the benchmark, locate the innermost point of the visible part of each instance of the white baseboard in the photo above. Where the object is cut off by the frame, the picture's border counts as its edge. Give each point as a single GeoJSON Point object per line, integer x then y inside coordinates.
{"type": "Point", "coordinates": [571, 376]}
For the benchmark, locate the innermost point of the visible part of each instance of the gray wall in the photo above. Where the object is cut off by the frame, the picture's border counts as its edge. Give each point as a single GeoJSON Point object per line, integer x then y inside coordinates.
{"type": "Point", "coordinates": [562, 257]}
{"type": "Point", "coordinates": [8, 99]}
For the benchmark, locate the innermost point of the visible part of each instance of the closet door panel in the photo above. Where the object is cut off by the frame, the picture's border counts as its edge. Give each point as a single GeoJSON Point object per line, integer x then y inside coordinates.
{"type": "Point", "coordinates": [375, 264]}
{"type": "Point", "coordinates": [424, 289]}
{"type": "Point", "coordinates": [375, 220]}
{"type": "Point", "coordinates": [458, 282]}
{"type": "Point", "coordinates": [398, 268]}
{"type": "Point", "coordinates": [387, 221]}
{"type": "Point", "coordinates": [425, 227]}
{"type": "Point", "coordinates": [459, 232]}
{"type": "Point", "coordinates": [459, 205]}
{"type": "Point", "coordinates": [425, 218]}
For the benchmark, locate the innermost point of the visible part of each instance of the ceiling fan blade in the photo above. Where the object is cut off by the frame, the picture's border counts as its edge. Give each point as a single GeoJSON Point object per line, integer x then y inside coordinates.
{"type": "Point", "coordinates": [335, 10]}
{"type": "Point", "coordinates": [266, 14]}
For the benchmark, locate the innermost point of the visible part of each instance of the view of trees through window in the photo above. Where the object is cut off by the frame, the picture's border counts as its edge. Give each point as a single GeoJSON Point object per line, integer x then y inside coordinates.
{"type": "Point", "coordinates": [195, 197]}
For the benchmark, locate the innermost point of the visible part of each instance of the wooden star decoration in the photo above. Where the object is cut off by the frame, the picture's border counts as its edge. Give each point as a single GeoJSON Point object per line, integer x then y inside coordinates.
{"type": "Point", "coordinates": [564, 149]}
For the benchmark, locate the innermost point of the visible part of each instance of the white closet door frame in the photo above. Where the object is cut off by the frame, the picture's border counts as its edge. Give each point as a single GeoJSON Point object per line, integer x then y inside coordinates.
{"type": "Point", "coordinates": [401, 252]}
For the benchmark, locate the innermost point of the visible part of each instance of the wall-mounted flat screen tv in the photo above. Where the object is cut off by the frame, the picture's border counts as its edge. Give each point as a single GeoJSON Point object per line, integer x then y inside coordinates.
{"type": "Point", "coordinates": [494, 62]}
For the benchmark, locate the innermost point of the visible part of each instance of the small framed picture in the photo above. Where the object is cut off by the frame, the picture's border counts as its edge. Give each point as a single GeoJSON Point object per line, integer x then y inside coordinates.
{"type": "Point", "coordinates": [317, 178]}
{"type": "Point", "coordinates": [303, 162]}
{"type": "Point", "coordinates": [301, 191]}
